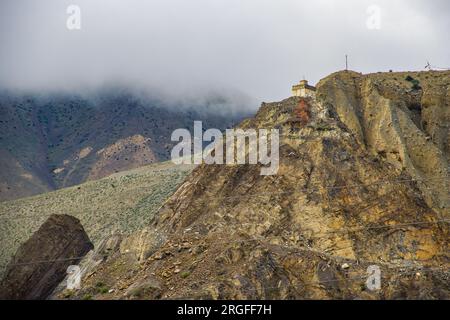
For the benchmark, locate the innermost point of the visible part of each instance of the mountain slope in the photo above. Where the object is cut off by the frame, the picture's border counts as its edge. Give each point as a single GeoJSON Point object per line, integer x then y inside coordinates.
{"type": "Point", "coordinates": [402, 117]}
{"type": "Point", "coordinates": [60, 140]}
{"type": "Point", "coordinates": [122, 202]}
{"type": "Point", "coordinates": [312, 230]}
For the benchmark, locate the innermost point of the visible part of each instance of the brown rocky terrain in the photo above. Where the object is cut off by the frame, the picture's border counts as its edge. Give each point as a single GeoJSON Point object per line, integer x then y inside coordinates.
{"type": "Point", "coordinates": [363, 180]}
{"type": "Point", "coordinates": [129, 153]}
{"type": "Point", "coordinates": [41, 262]}
{"type": "Point", "coordinates": [408, 127]}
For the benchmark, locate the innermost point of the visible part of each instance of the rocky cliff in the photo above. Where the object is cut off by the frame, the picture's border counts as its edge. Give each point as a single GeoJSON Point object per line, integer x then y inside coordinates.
{"type": "Point", "coordinates": [402, 117]}
{"type": "Point", "coordinates": [363, 181]}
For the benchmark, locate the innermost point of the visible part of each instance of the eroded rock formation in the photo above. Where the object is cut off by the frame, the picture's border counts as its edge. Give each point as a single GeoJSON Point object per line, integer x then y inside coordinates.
{"type": "Point", "coordinates": [407, 126]}
{"type": "Point", "coordinates": [362, 182]}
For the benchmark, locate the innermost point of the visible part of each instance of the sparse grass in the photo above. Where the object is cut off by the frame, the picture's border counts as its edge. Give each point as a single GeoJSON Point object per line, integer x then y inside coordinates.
{"type": "Point", "coordinates": [124, 202]}
{"type": "Point", "coordinates": [87, 297]}
{"type": "Point", "coordinates": [67, 294]}
{"type": "Point", "coordinates": [101, 288]}
{"type": "Point", "coordinates": [324, 127]}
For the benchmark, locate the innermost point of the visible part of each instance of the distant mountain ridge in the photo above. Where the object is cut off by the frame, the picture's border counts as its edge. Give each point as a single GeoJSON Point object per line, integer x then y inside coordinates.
{"type": "Point", "coordinates": [59, 140]}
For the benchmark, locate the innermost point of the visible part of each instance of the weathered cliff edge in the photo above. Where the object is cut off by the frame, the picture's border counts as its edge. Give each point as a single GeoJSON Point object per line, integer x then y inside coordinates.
{"type": "Point", "coordinates": [409, 127]}
{"type": "Point", "coordinates": [362, 182]}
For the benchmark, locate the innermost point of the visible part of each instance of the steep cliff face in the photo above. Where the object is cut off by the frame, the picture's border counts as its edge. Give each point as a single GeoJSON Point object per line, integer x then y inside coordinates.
{"type": "Point", "coordinates": [41, 263]}
{"type": "Point", "coordinates": [402, 117]}
{"type": "Point", "coordinates": [334, 208]}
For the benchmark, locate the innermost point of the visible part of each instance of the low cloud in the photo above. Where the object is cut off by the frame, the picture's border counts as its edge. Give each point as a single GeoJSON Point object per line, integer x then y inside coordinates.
{"type": "Point", "coordinates": [253, 49]}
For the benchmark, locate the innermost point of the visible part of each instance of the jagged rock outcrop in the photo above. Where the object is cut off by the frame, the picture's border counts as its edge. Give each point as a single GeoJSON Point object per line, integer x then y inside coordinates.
{"type": "Point", "coordinates": [406, 125]}
{"type": "Point", "coordinates": [334, 208]}
{"type": "Point", "coordinates": [41, 263]}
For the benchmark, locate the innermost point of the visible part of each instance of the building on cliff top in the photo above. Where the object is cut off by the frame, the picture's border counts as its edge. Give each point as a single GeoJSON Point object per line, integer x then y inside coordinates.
{"type": "Point", "coordinates": [303, 89]}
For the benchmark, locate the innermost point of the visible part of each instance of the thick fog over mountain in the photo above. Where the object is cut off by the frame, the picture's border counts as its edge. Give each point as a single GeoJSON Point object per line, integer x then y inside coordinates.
{"type": "Point", "coordinates": [189, 50]}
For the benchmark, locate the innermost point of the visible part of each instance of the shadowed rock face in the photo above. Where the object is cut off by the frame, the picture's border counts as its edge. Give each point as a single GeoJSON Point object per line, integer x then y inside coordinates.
{"type": "Point", "coordinates": [40, 264]}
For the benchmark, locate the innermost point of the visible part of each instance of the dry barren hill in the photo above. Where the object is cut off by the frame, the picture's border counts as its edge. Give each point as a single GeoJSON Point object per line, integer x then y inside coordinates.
{"type": "Point", "coordinates": [54, 141]}
{"type": "Point", "coordinates": [363, 180]}
{"type": "Point", "coordinates": [404, 118]}
{"type": "Point", "coordinates": [123, 202]}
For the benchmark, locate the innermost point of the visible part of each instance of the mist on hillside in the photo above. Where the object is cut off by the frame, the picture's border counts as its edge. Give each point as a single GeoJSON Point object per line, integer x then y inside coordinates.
{"type": "Point", "coordinates": [190, 50]}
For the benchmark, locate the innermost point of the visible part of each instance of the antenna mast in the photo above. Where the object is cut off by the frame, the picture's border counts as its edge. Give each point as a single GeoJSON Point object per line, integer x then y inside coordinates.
{"type": "Point", "coordinates": [430, 67]}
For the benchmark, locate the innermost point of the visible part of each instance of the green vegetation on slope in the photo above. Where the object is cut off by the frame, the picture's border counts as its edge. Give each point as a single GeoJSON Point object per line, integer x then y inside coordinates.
{"type": "Point", "coordinates": [124, 202]}
{"type": "Point", "coordinates": [56, 140]}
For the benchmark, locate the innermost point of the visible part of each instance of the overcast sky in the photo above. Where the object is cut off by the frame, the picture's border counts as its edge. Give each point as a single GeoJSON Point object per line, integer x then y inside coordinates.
{"type": "Point", "coordinates": [256, 47]}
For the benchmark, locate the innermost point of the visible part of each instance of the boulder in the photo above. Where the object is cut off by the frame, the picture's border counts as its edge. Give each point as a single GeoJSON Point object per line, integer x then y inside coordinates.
{"type": "Point", "coordinates": [41, 263]}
